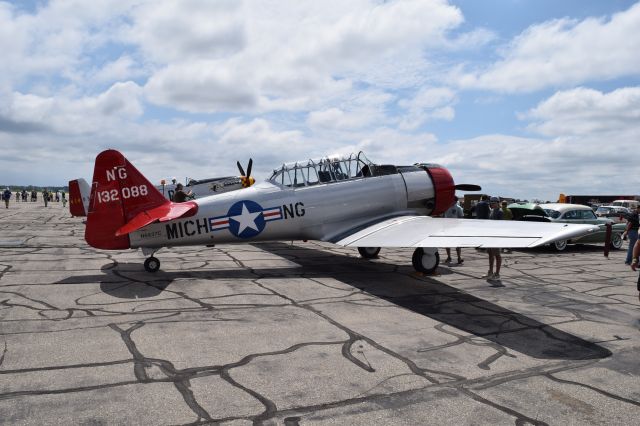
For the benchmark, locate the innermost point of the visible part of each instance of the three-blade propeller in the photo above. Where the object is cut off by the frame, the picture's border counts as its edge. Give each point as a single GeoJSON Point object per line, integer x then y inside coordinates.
{"type": "Point", "coordinates": [246, 178]}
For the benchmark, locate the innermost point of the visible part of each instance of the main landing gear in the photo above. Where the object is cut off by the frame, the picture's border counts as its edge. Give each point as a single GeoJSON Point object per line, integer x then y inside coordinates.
{"type": "Point", "coordinates": [151, 264]}
{"type": "Point", "coordinates": [424, 259]}
{"type": "Point", "coordinates": [369, 252]}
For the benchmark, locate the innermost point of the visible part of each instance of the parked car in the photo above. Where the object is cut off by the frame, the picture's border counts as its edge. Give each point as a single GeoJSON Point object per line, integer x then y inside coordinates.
{"type": "Point", "coordinates": [576, 213]}
{"type": "Point", "coordinates": [616, 213]}
{"type": "Point", "coordinates": [630, 204]}
{"type": "Point", "coordinates": [524, 211]}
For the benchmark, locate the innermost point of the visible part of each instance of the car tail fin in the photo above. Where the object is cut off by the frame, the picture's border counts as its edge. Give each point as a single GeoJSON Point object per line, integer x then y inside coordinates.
{"type": "Point", "coordinates": [79, 193]}
{"type": "Point", "coordinates": [118, 193]}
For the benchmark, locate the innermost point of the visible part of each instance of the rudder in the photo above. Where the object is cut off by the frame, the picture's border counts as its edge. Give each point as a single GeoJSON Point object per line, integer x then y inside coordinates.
{"type": "Point", "coordinates": [118, 192]}
{"type": "Point", "coordinates": [79, 193]}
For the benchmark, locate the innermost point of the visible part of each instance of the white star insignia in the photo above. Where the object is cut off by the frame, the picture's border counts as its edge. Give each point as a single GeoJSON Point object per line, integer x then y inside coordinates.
{"type": "Point", "coordinates": [246, 219]}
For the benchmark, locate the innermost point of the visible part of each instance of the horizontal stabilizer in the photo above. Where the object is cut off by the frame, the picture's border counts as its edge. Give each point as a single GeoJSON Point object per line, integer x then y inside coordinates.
{"type": "Point", "coordinates": [162, 213]}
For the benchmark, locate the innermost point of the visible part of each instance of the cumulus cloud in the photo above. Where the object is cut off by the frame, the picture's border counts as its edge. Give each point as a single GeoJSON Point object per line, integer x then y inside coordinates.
{"type": "Point", "coordinates": [565, 52]}
{"type": "Point", "coordinates": [430, 103]}
{"type": "Point", "coordinates": [584, 139]}
{"type": "Point", "coordinates": [283, 51]}
{"type": "Point", "coordinates": [75, 116]}
{"type": "Point", "coordinates": [586, 112]}
{"type": "Point", "coordinates": [171, 31]}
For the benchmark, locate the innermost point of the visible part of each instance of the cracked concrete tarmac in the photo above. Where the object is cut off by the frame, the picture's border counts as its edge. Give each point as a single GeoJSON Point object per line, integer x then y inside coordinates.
{"type": "Point", "coordinates": [308, 333]}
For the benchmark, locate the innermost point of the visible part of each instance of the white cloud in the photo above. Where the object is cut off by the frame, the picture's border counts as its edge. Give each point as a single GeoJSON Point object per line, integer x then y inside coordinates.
{"type": "Point", "coordinates": [202, 86]}
{"type": "Point", "coordinates": [122, 69]}
{"type": "Point", "coordinates": [288, 54]}
{"type": "Point", "coordinates": [51, 42]}
{"type": "Point", "coordinates": [587, 112]}
{"type": "Point", "coordinates": [428, 104]}
{"type": "Point", "coordinates": [171, 31]}
{"type": "Point", "coordinates": [66, 116]}
{"type": "Point", "coordinates": [565, 52]}
{"type": "Point", "coordinates": [587, 146]}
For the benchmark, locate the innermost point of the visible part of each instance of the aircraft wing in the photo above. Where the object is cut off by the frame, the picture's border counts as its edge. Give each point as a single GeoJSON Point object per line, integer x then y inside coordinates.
{"type": "Point", "coordinates": [425, 231]}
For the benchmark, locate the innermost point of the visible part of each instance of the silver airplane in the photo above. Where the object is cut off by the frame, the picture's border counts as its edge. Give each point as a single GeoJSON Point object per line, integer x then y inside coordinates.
{"type": "Point", "coordinates": [348, 201]}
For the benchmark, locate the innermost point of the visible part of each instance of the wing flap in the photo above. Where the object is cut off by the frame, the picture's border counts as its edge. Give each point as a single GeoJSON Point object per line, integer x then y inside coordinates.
{"type": "Point", "coordinates": [165, 212]}
{"type": "Point", "coordinates": [425, 231]}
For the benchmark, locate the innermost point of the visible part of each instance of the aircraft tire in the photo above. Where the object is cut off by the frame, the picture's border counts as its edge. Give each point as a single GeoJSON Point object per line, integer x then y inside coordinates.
{"type": "Point", "coordinates": [152, 264]}
{"type": "Point", "coordinates": [425, 261]}
{"type": "Point", "coordinates": [560, 245]}
{"type": "Point", "coordinates": [369, 252]}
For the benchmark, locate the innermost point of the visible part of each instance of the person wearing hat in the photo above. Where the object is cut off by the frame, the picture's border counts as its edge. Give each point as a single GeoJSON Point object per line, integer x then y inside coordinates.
{"type": "Point", "coordinates": [494, 253]}
{"type": "Point", "coordinates": [180, 196]}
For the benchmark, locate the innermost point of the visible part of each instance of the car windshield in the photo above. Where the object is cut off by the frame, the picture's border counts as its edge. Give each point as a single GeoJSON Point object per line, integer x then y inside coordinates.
{"type": "Point", "coordinates": [553, 214]}
{"type": "Point", "coordinates": [603, 210]}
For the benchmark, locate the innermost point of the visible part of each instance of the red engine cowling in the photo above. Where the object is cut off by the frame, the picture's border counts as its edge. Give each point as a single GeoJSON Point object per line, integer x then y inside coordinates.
{"type": "Point", "coordinates": [443, 186]}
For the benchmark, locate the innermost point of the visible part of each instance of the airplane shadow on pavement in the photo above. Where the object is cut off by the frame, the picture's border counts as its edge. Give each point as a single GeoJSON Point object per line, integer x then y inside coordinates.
{"type": "Point", "coordinates": [398, 285]}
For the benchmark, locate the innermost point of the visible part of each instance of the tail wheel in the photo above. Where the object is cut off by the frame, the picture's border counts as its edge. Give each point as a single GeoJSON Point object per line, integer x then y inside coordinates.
{"type": "Point", "coordinates": [369, 252]}
{"type": "Point", "coordinates": [152, 264]}
{"type": "Point", "coordinates": [616, 241]}
{"type": "Point", "coordinates": [425, 261]}
{"type": "Point", "coordinates": [560, 245]}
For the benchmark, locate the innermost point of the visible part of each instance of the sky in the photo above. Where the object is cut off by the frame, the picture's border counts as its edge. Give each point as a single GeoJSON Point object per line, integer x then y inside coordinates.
{"type": "Point", "coordinates": [527, 98]}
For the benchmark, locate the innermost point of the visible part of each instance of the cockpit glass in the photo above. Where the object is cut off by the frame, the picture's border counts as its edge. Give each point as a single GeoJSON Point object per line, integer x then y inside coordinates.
{"type": "Point", "coordinates": [325, 170]}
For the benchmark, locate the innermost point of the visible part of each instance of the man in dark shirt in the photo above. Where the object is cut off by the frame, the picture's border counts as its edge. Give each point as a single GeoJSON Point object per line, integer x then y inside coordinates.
{"type": "Point", "coordinates": [633, 221]}
{"type": "Point", "coordinates": [180, 196]}
{"type": "Point", "coordinates": [482, 208]}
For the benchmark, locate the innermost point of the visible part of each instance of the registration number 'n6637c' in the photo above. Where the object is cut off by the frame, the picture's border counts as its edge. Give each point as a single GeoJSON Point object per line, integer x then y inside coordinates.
{"type": "Point", "coordinates": [124, 193]}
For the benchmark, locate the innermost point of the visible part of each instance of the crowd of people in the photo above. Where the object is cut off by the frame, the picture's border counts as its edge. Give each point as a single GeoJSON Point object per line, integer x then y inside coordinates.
{"type": "Point", "coordinates": [32, 196]}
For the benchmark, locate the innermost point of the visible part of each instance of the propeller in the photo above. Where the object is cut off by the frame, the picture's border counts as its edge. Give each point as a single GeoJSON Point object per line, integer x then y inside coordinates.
{"type": "Point", "coordinates": [246, 178]}
{"type": "Point", "coordinates": [468, 187]}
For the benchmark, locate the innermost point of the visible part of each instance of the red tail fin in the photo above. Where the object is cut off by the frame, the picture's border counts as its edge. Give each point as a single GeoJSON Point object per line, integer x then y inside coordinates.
{"type": "Point", "coordinates": [118, 193]}
{"type": "Point", "coordinates": [79, 192]}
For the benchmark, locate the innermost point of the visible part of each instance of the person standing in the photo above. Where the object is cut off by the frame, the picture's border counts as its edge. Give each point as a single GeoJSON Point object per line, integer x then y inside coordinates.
{"type": "Point", "coordinates": [506, 211]}
{"type": "Point", "coordinates": [455, 211]}
{"type": "Point", "coordinates": [631, 231]}
{"type": "Point", "coordinates": [634, 263]}
{"type": "Point", "coordinates": [6, 196]}
{"type": "Point", "coordinates": [507, 214]}
{"type": "Point", "coordinates": [45, 196]}
{"type": "Point", "coordinates": [494, 253]}
{"type": "Point", "coordinates": [482, 208]}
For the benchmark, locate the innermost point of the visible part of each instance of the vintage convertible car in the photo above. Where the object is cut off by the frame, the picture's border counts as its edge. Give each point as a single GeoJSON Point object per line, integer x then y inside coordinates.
{"type": "Point", "coordinates": [576, 213]}
{"type": "Point", "coordinates": [527, 211]}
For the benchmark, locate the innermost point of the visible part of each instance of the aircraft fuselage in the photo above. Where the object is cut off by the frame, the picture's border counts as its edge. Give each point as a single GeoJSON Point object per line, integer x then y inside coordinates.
{"type": "Point", "coordinates": [268, 211]}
